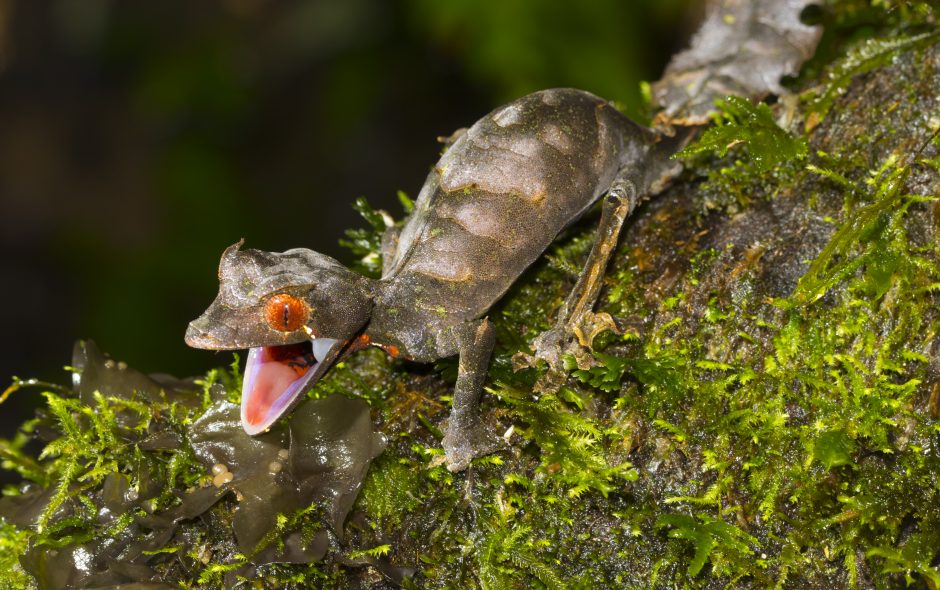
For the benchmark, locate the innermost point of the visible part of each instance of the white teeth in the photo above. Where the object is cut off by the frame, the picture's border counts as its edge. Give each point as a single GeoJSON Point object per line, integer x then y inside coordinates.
{"type": "Point", "coordinates": [321, 347]}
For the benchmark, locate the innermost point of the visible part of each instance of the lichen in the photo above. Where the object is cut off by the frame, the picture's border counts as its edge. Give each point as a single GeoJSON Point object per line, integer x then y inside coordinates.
{"type": "Point", "coordinates": [769, 415]}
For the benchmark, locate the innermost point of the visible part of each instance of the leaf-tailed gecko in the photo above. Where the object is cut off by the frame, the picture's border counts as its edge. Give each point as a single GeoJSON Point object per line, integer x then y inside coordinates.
{"type": "Point", "coordinates": [500, 194]}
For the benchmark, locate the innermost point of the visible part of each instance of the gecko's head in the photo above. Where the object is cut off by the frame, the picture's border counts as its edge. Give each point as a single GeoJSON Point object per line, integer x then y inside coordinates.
{"type": "Point", "coordinates": [297, 312]}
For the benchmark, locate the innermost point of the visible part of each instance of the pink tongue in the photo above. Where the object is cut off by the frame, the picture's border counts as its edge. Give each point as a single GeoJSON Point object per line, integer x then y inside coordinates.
{"type": "Point", "coordinates": [274, 376]}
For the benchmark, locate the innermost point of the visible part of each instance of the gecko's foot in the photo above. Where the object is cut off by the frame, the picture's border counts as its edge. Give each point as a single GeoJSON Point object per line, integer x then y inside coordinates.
{"type": "Point", "coordinates": [467, 438]}
{"type": "Point", "coordinates": [575, 339]}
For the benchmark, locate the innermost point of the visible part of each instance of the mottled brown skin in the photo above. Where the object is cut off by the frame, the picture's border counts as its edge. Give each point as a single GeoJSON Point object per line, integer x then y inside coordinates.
{"type": "Point", "coordinates": [500, 194]}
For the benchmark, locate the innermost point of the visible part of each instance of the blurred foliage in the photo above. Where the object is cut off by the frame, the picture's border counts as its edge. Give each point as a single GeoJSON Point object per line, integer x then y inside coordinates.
{"type": "Point", "coordinates": [605, 46]}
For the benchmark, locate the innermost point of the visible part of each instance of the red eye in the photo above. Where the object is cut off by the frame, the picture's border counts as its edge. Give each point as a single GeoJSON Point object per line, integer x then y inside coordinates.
{"type": "Point", "coordinates": [286, 313]}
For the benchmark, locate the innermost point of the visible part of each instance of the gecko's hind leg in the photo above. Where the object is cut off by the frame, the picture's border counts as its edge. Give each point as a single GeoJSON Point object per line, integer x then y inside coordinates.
{"type": "Point", "coordinates": [467, 436]}
{"type": "Point", "coordinates": [577, 324]}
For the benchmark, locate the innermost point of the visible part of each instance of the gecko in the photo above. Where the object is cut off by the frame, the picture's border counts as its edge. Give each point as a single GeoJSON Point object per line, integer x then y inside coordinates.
{"type": "Point", "coordinates": [501, 192]}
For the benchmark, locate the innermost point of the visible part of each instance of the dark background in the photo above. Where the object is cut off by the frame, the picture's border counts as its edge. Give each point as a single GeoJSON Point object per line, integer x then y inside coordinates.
{"type": "Point", "coordinates": [139, 139]}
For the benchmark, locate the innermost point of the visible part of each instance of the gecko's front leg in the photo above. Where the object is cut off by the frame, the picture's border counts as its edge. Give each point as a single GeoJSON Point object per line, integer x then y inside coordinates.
{"type": "Point", "coordinates": [577, 324]}
{"type": "Point", "coordinates": [467, 436]}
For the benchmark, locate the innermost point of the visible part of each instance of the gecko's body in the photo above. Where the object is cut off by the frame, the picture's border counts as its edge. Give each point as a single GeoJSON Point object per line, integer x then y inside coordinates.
{"type": "Point", "coordinates": [491, 206]}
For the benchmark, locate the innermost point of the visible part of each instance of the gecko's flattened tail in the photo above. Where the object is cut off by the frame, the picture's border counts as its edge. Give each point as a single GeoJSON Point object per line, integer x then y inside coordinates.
{"type": "Point", "coordinates": [743, 48]}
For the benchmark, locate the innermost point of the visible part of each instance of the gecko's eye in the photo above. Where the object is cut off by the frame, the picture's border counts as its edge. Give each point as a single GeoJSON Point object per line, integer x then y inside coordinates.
{"type": "Point", "coordinates": [286, 313]}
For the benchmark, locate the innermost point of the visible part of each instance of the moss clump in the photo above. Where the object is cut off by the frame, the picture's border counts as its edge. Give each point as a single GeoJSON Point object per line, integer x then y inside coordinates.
{"type": "Point", "coordinates": [770, 416]}
{"type": "Point", "coordinates": [738, 121]}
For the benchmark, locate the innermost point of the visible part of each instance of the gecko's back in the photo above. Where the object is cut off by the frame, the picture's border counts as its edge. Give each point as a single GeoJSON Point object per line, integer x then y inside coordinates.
{"type": "Point", "coordinates": [501, 193]}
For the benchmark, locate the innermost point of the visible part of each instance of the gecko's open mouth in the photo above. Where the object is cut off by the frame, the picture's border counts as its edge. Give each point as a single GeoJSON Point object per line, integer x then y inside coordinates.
{"type": "Point", "coordinates": [277, 376]}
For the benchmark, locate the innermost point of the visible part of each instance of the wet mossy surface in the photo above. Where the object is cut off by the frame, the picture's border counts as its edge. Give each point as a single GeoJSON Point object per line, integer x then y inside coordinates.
{"type": "Point", "coordinates": [769, 417]}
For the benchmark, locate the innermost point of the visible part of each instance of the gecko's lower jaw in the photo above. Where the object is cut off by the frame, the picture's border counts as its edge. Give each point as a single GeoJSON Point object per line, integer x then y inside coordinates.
{"type": "Point", "coordinates": [276, 377]}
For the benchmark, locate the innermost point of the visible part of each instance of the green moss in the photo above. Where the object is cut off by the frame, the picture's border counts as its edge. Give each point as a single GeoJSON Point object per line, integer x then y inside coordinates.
{"type": "Point", "coordinates": [12, 543]}
{"type": "Point", "coordinates": [878, 226]}
{"type": "Point", "coordinates": [366, 243]}
{"type": "Point", "coordinates": [389, 495]}
{"type": "Point", "coordinates": [862, 57]}
{"type": "Point", "coordinates": [739, 122]}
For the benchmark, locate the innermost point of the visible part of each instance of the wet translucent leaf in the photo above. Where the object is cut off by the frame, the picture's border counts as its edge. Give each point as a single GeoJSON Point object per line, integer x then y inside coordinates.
{"type": "Point", "coordinates": [98, 372]}
{"type": "Point", "coordinates": [331, 444]}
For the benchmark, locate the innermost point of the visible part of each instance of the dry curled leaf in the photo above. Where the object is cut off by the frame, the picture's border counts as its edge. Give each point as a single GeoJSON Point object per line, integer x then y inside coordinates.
{"type": "Point", "coordinates": [743, 48]}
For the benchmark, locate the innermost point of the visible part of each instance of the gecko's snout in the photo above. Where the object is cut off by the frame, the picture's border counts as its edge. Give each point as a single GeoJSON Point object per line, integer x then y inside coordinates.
{"type": "Point", "coordinates": [199, 336]}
